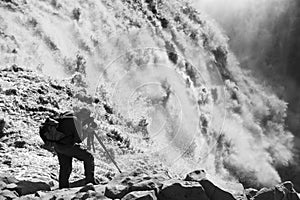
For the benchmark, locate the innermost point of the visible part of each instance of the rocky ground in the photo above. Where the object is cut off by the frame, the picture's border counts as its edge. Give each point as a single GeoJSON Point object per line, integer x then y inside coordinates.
{"type": "Point", "coordinates": [29, 171]}
{"type": "Point", "coordinates": [144, 185]}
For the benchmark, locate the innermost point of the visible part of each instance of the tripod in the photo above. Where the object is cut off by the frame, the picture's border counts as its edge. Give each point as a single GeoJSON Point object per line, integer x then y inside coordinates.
{"type": "Point", "coordinates": [90, 144]}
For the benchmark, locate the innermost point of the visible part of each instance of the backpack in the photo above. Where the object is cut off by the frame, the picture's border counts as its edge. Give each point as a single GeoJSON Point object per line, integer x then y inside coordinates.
{"type": "Point", "coordinates": [48, 132]}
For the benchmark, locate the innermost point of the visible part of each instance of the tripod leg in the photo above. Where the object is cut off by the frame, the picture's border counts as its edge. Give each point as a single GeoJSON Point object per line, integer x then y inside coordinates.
{"type": "Point", "coordinates": [93, 143]}
{"type": "Point", "coordinates": [89, 142]}
{"type": "Point", "coordinates": [111, 158]}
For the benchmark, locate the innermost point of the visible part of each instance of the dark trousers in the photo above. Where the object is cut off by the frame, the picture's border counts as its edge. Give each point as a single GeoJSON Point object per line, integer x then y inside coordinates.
{"type": "Point", "coordinates": [65, 154]}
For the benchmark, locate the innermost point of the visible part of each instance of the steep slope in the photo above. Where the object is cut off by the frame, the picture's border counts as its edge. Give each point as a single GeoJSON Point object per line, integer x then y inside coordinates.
{"type": "Point", "coordinates": [161, 62]}
{"type": "Point", "coordinates": [27, 99]}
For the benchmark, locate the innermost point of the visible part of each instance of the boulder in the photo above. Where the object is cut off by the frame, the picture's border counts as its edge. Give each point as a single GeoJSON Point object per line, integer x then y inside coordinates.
{"type": "Point", "coordinates": [282, 191]}
{"type": "Point", "coordinates": [214, 192]}
{"type": "Point", "coordinates": [28, 187]}
{"type": "Point", "coordinates": [134, 181]}
{"type": "Point", "coordinates": [182, 190]}
{"type": "Point", "coordinates": [197, 175]}
{"type": "Point", "coordinates": [140, 195]}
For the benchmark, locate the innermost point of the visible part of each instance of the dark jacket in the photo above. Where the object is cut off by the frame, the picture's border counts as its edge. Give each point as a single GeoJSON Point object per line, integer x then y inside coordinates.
{"type": "Point", "coordinates": [71, 127]}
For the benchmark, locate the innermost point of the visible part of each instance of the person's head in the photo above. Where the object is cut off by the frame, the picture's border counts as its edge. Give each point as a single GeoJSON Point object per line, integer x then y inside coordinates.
{"type": "Point", "coordinates": [83, 114]}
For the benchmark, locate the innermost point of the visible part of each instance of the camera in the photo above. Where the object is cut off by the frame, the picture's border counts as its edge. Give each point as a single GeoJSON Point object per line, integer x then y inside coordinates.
{"type": "Point", "coordinates": [91, 122]}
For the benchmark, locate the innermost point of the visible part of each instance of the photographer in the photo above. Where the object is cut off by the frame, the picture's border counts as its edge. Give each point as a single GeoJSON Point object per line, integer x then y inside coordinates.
{"type": "Point", "coordinates": [71, 125]}
{"type": "Point", "coordinates": [89, 126]}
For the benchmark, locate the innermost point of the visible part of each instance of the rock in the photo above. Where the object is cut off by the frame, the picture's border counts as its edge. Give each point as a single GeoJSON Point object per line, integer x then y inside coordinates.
{"type": "Point", "coordinates": [140, 195]}
{"type": "Point", "coordinates": [134, 181]}
{"type": "Point", "coordinates": [7, 162]}
{"type": "Point", "coordinates": [2, 185]}
{"type": "Point", "coordinates": [8, 179]}
{"type": "Point", "coordinates": [164, 22]}
{"type": "Point", "coordinates": [39, 194]}
{"type": "Point", "coordinates": [14, 51]}
{"type": "Point", "coordinates": [76, 13]}
{"type": "Point", "coordinates": [43, 100]}
{"type": "Point", "coordinates": [288, 185]}
{"type": "Point", "coordinates": [234, 188]}
{"type": "Point", "coordinates": [182, 190]}
{"type": "Point", "coordinates": [250, 192]}
{"type": "Point", "coordinates": [15, 67]}
{"type": "Point", "coordinates": [73, 193]}
{"type": "Point", "coordinates": [197, 175]}
{"type": "Point", "coordinates": [282, 191]}
{"type": "Point", "coordinates": [8, 194]}
{"type": "Point", "coordinates": [28, 187]}
{"type": "Point", "coordinates": [214, 192]}
{"type": "Point", "coordinates": [11, 186]}
{"type": "Point", "coordinates": [20, 144]}
{"type": "Point", "coordinates": [51, 184]}
{"type": "Point", "coordinates": [2, 125]}
{"type": "Point", "coordinates": [11, 91]}
{"type": "Point", "coordinates": [56, 86]}
{"type": "Point", "coordinates": [116, 191]}
{"type": "Point", "coordinates": [172, 54]}
{"type": "Point", "coordinates": [84, 195]}
{"type": "Point", "coordinates": [87, 187]}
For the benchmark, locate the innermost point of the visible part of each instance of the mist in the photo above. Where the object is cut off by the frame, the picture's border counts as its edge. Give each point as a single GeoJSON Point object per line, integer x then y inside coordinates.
{"type": "Point", "coordinates": [264, 35]}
